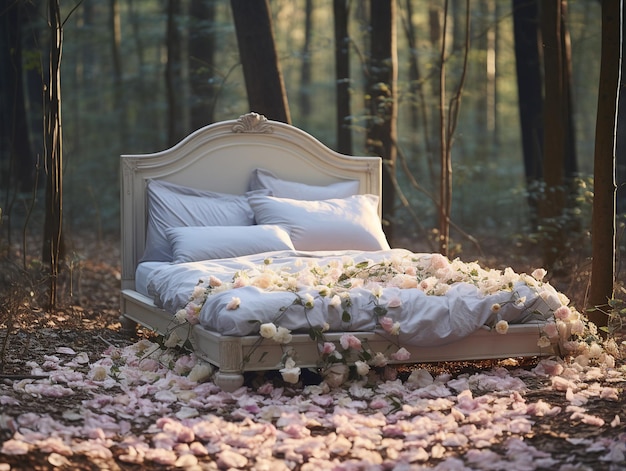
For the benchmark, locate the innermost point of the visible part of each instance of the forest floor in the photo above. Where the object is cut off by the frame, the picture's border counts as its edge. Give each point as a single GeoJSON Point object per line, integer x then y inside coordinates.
{"type": "Point", "coordinates": [517, 414]}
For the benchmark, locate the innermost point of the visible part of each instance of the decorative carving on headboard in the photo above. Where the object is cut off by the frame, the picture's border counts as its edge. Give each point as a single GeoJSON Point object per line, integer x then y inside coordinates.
{"type": "Point", "coordinates": [129, 168]}
{"type": "Point", "coordinates": [252, 122]}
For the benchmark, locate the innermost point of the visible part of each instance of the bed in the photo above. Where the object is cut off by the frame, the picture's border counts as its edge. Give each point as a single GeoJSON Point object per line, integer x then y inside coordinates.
{"type": "Point", "coordinates": [253, 207]}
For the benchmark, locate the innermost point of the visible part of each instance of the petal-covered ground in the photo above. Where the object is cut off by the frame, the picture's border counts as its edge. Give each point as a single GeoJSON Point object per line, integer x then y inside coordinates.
{"type": "Point", "coordinates": [139, 407]}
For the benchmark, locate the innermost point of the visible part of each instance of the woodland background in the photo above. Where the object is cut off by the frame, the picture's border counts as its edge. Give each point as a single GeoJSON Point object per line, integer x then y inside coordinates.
{"type": "Point", "coordinates": [138, 75]}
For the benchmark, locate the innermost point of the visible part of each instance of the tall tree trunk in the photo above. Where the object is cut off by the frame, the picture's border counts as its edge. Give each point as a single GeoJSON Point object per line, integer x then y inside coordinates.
{"type": "Point", "coordinates": [381, 104]}
{"type": "Point", "coordinates": [341, 14]}
{"type": "Point", "coordinates": [555, 119]}
{"type": "Point", "coordinates": [305, 71]}
{"type": "Point", "coordinates": [529, 89]}
{"type": "Point", "coordinates": [53, 246]}
{"type": "Point", "coordinates": [418, 111]}
{"type": "Point", "coordinates": [257, 50]}
{"type": "Point", "coordinates": [173, 75]}
{"type": "Point", "coordinates": [15, 149]}
{"type": "Point", "coordinates": [448, 119]}
{"type": "Point", "coordinates": [603, 219]}
{"type": "Point", "coordinates": [201, 65]}
{"type": "Point", "coordinates": [115, 24]}
{"type": "Point", "coordinates": [620, 144]}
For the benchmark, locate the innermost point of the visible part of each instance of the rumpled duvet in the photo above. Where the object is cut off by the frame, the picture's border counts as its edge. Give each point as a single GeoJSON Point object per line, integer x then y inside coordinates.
{"type": "Point", "coordinates": [429, 299]}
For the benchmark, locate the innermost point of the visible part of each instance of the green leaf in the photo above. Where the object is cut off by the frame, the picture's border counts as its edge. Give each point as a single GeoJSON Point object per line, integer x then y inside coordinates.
{"type": "Point", "coordinates": [345, 316]}
{"type": "Point", "coordinates": [380, 311]}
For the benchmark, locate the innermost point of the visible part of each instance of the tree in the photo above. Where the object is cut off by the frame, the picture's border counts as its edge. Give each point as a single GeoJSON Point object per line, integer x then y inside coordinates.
{"type": "Point", "coordinates": [342, 76]}
{"type": "Point", "coordinates": [603, 218]}
{"type": "Point", "coordinates": [381, 100]}
{"type": "Point", "coordinates": [529, 86]}
{"type": "Point", "coordinates": [201, 62]}
{"type": "Point", "coordinates": [305, 70]}
{"type": "Point", "coordinates": [15, 149]}
{"type": "Point", "coordinates": [448, 118]}
{"type": "Point", "coordinates": [53, 245]}
{"type": "Point", "coordinates": [257, 51]}
{"type": "Point", "coordinates": [176, 129]}
{"type": "Point", "coordinates": [555, 109]}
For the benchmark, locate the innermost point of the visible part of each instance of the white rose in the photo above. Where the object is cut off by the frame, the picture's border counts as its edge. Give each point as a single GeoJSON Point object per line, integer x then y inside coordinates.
{"type": "Point", "coordinates": [282, 335]}
{"type": "Point", "coordinates": [502, 327]}
{"type": "Point", "coordinates": [362, 368]}
{"type": "Point", "coordinates": [200, 372]}
{"type": "Point", "coordinates": [267, 330]}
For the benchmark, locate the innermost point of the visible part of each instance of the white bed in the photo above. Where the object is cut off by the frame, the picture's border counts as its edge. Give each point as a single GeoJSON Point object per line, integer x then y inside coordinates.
{"type": "Point", "coordinates": [221, 158]}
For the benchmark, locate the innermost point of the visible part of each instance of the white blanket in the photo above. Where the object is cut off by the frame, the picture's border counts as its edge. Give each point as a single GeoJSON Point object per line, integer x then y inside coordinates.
{"type": "Point", "coordinates": [430, 299]}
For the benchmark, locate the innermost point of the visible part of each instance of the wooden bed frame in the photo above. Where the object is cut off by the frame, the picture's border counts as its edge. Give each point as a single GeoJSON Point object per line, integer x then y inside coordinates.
{"type": "Point", "coordinates": [220, 157]}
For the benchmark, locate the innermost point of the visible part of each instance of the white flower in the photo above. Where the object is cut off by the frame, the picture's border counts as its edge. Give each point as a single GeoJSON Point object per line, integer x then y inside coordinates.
{"type": "Point", "coordinates": [335, 301]}
{"type": "Point", "coordinates": [379, 360]}
{"type": "Point", "coordinates": [543, 342]}
{"type": "Point", "coordinates": [200, 372]}
{"type": "Point", "coordinates": [362, 368]}
{"type": "Point", "coordinates": [180, 316]}
{"type": "Point", "coordinates": [290, 373]}
{"type": "Point", "coordinates": [172, 340]}
{"type": "Point", "coordinates": [395, 329]}
{"type": "Point", "coordinates": [539, 274]}
{"type": "Point", "coordinates": [267, 330]}
{"type": "Point", "coordinates": [282, 335]}
{"type": "Point", "coordinates": [495, 307]}
{"type": "Point", "coordinates": [309, 301]}
{"type": "Point", "coordinates": [233, 304]}
{"type": "Point", "coordinates": [502, 327]}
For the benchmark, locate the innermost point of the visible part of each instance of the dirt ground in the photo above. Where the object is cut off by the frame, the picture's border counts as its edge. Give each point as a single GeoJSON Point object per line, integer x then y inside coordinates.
{"type": "Point", "coordinates": [86, 319]}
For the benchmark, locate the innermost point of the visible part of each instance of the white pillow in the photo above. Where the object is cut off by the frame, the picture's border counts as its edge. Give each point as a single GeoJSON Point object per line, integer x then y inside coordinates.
{"type": "Point", "coordinates": [192, 244]}
{"type": "Point", "coordinates": [265, 180]}
{"type": "Point", "coordinates": [335, 224]}
{"type": "Point", "coordinates": [171, 205]}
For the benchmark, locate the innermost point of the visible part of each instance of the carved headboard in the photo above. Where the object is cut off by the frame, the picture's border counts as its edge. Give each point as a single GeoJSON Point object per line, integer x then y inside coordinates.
{"type": "Point", "coordinates": [221, 157]}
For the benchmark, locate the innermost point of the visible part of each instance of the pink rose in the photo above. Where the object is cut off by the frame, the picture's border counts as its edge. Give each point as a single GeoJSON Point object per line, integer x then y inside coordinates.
{"type": "Point", "coordinates": [328, 348]}
{"type": "Point", "coordinates": [350, 341]}
{"type": "Point", "coordinates": [386, 323]}
{"type": "Point", "coordinates": [401, 355]}
{"type": "Point", "coordinates": [562, 313]}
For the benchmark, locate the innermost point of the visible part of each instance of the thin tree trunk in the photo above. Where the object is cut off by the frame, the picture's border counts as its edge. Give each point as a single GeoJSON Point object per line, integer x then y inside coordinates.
{"type": "Point", "coordinates": [342, 76]}
{"type": "Point", "coordinates": [448, 120]}
{"type": "Point", "coordinates": [201, 65]}
{"type": "Point", "coordinates": [382, 106]}
{"type": "Point", "coordinates": [603, 219]}
{"type": "Point", "coordinates": [257, 50]}
{"type": "Point", "coordinates": [173, 71]}
{"type": "Point", "coordinates": [305, 71]}
{"type": "Point", "coordinates": [53, 235]}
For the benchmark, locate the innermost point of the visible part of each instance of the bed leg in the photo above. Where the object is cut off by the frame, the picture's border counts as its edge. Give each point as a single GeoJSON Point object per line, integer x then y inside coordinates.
{"type": "Point", "coordinates": [229, 382]}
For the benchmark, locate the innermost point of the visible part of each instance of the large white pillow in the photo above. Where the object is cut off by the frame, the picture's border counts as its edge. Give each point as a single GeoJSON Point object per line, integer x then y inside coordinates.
{"type": "Point", "coordinates": [192, 244]}
{"type": "Point", "coordinates": [335, 224]}
{"type": "Point", "coordinates": [262, 179]}
{"type": "Point", "coordinates": [171, 205]}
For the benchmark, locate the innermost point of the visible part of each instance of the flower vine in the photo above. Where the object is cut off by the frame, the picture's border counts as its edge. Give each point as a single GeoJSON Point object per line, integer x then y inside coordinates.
{"type": "Point", "coordinates": [566, 329]}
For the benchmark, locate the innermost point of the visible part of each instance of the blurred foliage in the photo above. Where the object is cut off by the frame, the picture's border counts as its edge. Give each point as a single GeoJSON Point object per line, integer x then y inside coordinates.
{"type": "Point", "coordinates": [102, 119]}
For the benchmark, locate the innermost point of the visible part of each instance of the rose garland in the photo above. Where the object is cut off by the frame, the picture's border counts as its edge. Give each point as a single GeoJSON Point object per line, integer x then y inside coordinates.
{"type": "Point", "coordinates": [566, 329]}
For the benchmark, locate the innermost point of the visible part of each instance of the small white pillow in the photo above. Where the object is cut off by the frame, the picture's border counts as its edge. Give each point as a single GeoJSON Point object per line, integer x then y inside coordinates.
{"type": "Point", "coordinates": [262, 179]}
{"type": "Point", "coordinates": [171, 205]}
{"type": "Point", "coordinates": [335, 224]}
{"type": "Point", "coordinates": [193, 244]}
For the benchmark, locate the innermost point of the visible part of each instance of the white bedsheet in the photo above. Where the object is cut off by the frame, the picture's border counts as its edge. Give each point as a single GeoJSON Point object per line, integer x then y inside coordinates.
{"type": "Point", "coordinates": [424, 319]}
